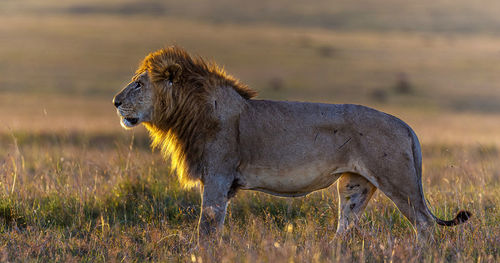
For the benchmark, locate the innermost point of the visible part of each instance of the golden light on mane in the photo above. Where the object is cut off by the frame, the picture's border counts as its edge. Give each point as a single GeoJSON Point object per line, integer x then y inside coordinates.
{"type": "Point", "coordinates": [183, 118]}
{"type": "Point", "coordinates": [171, 148]}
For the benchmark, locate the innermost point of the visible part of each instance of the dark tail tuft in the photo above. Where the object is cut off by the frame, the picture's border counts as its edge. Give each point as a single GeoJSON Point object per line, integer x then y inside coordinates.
{"type": "Point", "coordinates": [461, 217]}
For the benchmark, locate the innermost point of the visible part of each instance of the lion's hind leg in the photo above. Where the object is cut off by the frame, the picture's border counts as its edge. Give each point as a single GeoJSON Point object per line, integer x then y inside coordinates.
{"type": "Point", "coordinates": [354, 194]}
{"type": "Point", "coordinates": [408, 198]}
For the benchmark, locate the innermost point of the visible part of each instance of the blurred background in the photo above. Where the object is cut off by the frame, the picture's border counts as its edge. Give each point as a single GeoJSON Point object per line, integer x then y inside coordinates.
{"type": "Point", "coordinates": [434, 63]}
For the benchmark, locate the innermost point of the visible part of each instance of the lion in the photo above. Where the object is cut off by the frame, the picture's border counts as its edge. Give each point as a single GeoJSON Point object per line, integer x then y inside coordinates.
{"type": "Point", "coordinates": [215, 133]}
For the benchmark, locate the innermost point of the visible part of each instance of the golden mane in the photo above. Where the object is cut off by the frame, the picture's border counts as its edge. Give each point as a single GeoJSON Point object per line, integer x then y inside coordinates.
{"type": "Point", "coordinates": [183, 117]}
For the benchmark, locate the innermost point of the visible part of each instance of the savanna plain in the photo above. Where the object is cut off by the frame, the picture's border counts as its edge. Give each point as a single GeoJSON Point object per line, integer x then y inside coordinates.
{"type": "Point", "coordinates": [76, 187]}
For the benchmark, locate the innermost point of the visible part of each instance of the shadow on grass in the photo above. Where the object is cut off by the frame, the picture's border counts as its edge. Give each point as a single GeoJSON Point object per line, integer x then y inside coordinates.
{"type": "Point", "coordinates": [76, 138]}
{"type": "Point", "coordinates": [135, 202]}
{"type": "Point", "coordinates": [131, 202]}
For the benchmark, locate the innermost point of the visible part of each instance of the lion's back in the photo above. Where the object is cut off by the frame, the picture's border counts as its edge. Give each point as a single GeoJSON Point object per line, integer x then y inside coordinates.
{"type": "Point", "coordinates": [280, 131]}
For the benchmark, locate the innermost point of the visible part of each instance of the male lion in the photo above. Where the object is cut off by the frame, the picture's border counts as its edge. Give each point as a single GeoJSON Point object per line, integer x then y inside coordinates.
{"type": "Point", "coordinates": [205, 121]}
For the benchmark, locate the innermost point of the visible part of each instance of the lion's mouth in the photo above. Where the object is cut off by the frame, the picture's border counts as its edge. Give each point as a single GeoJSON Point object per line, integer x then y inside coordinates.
{"type": "Point", "coordinates": [129, 122]}
{"type": "Point", "coordinates": [132, 121]}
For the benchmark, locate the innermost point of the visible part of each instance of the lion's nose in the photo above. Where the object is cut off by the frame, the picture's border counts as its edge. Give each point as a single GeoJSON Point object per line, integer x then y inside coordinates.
{"type": "Point", "coordinates": [117, 102]}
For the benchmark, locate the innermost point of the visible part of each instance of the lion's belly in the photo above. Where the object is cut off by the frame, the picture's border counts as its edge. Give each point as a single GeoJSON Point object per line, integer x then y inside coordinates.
{"type": "Point", "coordinates": [289, 181]}
{"type": "Point", "coordinates": [292, 148]}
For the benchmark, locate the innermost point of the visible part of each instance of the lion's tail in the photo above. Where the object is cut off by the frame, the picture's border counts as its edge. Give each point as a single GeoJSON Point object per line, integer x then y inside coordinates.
{"type": "Point", "coordinates": [460, 218]}
{"type": "Point", "coordinates": [462, 215]}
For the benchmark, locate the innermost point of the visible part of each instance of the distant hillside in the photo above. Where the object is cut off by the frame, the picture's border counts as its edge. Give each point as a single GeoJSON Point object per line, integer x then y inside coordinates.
{"type": "Point", "coordinates": [460, 16]}
{"type": "Point", "coordinates": [442, 54]}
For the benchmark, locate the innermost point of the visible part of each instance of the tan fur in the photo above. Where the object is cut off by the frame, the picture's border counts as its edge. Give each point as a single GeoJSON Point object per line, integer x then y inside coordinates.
{"type": "Point", "coordinates": [214, 133]}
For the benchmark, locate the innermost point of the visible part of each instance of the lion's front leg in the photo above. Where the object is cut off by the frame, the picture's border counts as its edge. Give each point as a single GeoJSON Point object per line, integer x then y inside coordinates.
{"type": "Point", "coordinates": [213, 211]}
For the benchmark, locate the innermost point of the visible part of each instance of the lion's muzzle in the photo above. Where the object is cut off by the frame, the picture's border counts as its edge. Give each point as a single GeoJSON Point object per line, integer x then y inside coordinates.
{"type": "Point", "coordinates": [116, 102]}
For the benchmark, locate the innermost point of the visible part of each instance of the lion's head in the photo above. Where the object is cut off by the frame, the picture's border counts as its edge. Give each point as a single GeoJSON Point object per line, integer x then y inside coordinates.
{"type": "Point", "coordinates": [170, 94]}
{"type": "Point", "coordinates": [135, 102]}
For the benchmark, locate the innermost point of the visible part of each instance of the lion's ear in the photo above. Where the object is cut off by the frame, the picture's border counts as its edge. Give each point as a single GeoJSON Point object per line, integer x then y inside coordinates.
{"type": "Point", "coordinates": [174, 72]}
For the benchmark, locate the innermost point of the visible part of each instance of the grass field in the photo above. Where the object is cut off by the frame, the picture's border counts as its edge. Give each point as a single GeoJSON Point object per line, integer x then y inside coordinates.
{"type": "Point", "coordinates": [74, 186]}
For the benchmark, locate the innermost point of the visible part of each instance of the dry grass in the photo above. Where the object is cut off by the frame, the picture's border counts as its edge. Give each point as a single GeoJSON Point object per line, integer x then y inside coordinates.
{"type": "Point", "coordinates": [75, 187]}
{"type": "Point", "coordinates": [86, 198]}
